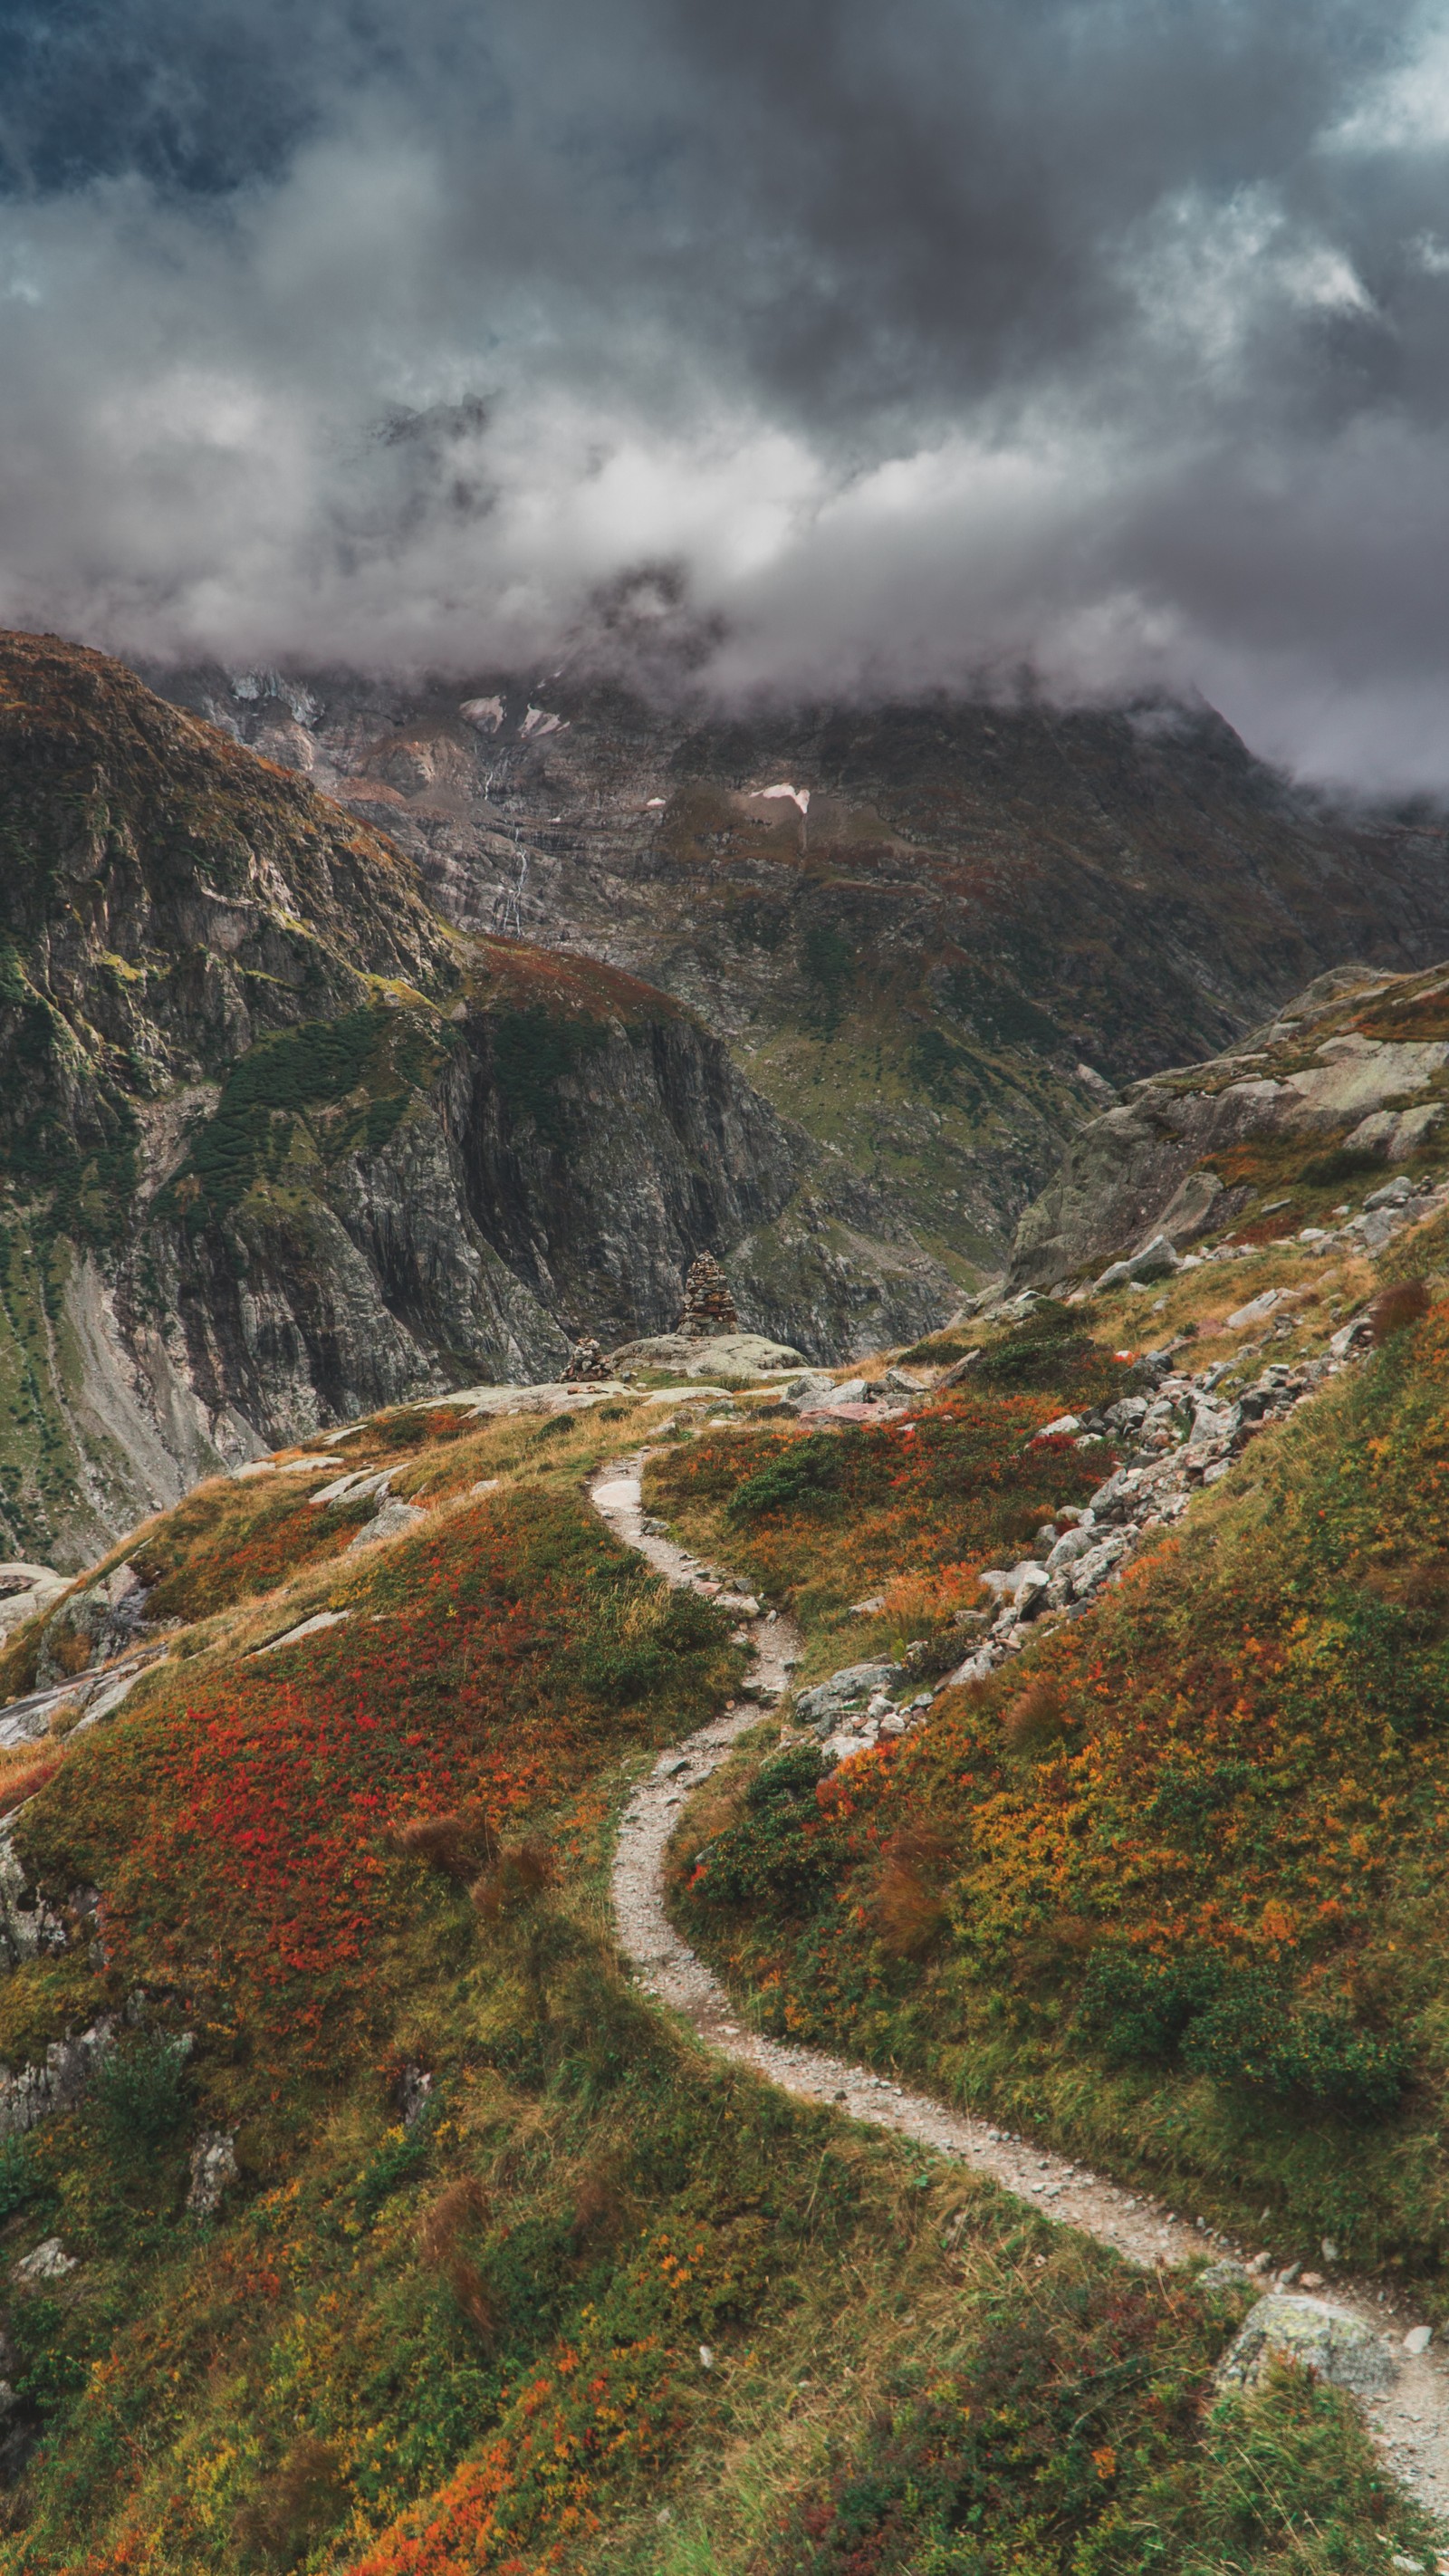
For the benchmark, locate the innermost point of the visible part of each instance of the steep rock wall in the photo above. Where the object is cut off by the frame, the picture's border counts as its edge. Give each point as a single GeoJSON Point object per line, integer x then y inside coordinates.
{"type": "Point", "coordinates": [278, 1147]}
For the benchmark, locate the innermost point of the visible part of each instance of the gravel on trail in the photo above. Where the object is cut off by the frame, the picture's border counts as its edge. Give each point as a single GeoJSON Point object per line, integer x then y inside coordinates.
{"type": "Point", "coordinates": [1409, 2424]}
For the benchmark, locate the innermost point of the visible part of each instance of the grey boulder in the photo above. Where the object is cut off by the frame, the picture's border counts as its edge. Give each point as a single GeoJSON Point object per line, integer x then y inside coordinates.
{"type": "Point", "coordinates": [1156, 1260]}
{"type": "Point", "coordinates": [851, 1688]}
{"type": "Point", "coordinates": [1332, 2342]}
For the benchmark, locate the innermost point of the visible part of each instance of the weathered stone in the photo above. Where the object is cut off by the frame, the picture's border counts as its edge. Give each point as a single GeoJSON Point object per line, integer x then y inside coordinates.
{"type": "Point", "coordinates": [823, 1706]}
{"type": "Point", "coordinates": [213, 2168]}
{"type": "Point", "coordinates": [734, 1359]}
{"type": "Point", "coordinates": [393, 1521]}
{"type": "Point", "coordinates": [1256, 1311]}
{"type": "Point", "coordinates": [1193, 1208]}
{"type": "Point", "coordinates": [24, 1589]}
{"type": "Point", "coordinates": [1330, 2341]}
{"type": "Point", "coordinates": [91, 1627]}
{"type": "Point", "coordinates": [312, 1627]}
{"type": "Point", "coordinates": [57, 2082]}
{"type": "Point", "coordinates": [414, 2092]}
{"type": "Point", "coordinates": [1156, 1260]}
{"type": "Point", "coordinates": [49, 2262]}
{"type": "Point", "coordinates": [1127, 1412]}
{"type": "Point", "coordinates": [1073, 1544]}
{"type": "Point", "coordinates": [1223, 2275]}
{"type": "Point", "coordinates": [813, 1388]}
{"type": "Point", "coordinates": [1093, 1566]}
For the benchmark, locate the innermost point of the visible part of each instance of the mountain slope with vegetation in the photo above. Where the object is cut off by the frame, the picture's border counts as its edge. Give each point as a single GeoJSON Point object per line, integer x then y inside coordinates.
{"type": "Point", "coordinates": [1164, 1884]}
{"type": "Point", "coordinates": [277, 1144]}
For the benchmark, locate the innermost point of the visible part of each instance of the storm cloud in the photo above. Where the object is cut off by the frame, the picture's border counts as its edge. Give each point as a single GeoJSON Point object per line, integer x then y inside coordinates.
{"type": "Point", "coordinates": [1090, 345]}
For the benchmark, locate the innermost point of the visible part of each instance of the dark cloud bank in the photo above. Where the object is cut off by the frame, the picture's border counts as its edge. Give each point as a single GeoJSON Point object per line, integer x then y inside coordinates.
{"type": "Point", "coordinates": [924, 344]}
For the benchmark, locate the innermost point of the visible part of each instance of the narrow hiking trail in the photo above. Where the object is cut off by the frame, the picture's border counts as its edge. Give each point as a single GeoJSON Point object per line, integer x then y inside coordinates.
{"type": "Point", "coordinates": [1410, 2424]}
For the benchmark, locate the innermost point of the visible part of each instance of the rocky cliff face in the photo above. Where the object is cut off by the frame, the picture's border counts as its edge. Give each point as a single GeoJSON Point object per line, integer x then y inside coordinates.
{"type": "Point", "coordinates": [278, 1146]}
{"type": "Point", "coordinates": [1348, 1086]}
{"type": "Point", "coordinates": [964, 927]}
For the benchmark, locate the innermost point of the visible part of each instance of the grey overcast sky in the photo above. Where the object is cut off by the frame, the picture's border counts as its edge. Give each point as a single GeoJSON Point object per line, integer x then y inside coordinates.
{"type": "Point", "coordinates": [847, 346]}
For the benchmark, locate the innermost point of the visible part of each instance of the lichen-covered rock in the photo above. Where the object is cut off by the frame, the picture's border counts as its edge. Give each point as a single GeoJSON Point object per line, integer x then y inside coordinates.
{"type": "Point", "coordinates": [92, 1626]}
{"type": "Point", "coordinates": [1330, 2341]}
{"type": "Point", "coordinates": [48, 2262]}
{"type": "Point", "coordinates": [413, 2092]}
{"type": "Point", "coordinates": [27, 1930]}
{"type": "Point", "coordinates": [56, 2083]}
{"type": "Point", "coordinates": [810, 1389]}
{"type": "Point", "coordinates": [853, 1687]}
{"type": "Point", "coordinates": [393, 1521]}
{"type": "Point", "coordinates": [734, 1359]}
{"type": "Point", "coordinates": [213, 2168]}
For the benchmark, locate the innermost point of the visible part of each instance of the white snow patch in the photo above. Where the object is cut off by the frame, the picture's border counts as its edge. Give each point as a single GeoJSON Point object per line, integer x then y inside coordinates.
{"type": "Point", "coordinates": [798, 795]}
{"type": "Point", "coordinates": [485, 713]}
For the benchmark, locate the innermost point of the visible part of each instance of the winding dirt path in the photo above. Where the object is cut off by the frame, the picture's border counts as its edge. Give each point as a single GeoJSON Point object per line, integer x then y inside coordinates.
{"type": "Point", "coordinates": [1410, 2426]}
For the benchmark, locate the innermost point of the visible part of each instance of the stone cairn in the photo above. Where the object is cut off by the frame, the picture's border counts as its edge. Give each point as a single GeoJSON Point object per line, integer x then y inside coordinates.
{"type": "Point", "coordinates": [586, 1362]}
{"type": "Point", "coordinates": [708, 1306]}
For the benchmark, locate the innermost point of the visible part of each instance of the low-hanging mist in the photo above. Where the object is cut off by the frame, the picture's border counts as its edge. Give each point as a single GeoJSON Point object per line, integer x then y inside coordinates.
{"type": "Point", "coordinates": [814, 349]}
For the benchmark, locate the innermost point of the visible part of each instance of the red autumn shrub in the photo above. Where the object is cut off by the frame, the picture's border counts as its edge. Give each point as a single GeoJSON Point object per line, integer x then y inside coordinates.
{"type": "Point", "coordinates": [242, 1827]}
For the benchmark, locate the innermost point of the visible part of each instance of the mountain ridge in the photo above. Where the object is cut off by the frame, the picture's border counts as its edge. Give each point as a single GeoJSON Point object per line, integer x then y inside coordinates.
{"type": "Point", "coordinates": [985, 919]}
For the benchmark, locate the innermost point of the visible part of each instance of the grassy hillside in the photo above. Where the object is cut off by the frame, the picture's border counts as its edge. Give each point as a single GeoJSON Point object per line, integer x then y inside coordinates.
{"type": "Point", "coordinates": [507, 2275]}
{"type": "Point", "coordinates": [1168, 1886]}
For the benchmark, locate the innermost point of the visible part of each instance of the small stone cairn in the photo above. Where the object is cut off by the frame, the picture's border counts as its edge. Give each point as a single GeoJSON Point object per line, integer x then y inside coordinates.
{"type": "Point", "coordinates": [587, 1363]}
{"type": "Point", "coordinates": [708, 1306]}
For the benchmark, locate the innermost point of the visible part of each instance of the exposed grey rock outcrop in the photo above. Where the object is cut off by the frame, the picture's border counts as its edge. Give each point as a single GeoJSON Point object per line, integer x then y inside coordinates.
{"type": "Point", "coordinates": [735, 1357]}
{"type": "Point", "coordinates": [55, 2084]}
{"type": "Point", "coordinates": [852, 1688]}
{"type": "Point", "coordinates": [1349, 1066]}
{"type": "Point", "coordinates": [24, 1589]}
{"type": "Point", "coordinates": [213, 2169]}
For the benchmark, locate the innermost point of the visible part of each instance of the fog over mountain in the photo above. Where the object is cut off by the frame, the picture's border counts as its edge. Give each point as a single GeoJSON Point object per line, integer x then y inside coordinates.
{"type": "Point", "coordinates": [804, 348]}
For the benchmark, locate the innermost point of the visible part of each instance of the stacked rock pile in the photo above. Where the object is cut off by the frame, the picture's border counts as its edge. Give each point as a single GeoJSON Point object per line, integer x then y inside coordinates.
{"type": "Point", "coordinates": [587, 1363]}
{"type": "Point", "coordinates": [709, 1308]}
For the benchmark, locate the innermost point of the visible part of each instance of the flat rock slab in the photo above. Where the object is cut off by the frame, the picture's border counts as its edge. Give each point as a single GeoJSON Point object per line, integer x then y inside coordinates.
{"type": "Point", "coordinates": [731, 1356]}
{"type": "Point", "coordinates": [312, 1627]}
{"type": "Point", "coordinates": [551, 1395]}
